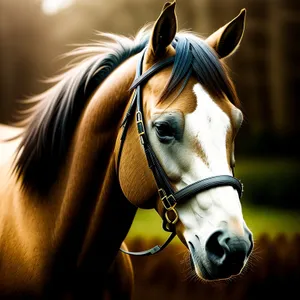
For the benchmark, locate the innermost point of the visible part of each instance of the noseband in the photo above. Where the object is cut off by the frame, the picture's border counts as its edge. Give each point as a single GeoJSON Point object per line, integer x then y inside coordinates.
{"type": "Point", "coordinates": [168, 196]}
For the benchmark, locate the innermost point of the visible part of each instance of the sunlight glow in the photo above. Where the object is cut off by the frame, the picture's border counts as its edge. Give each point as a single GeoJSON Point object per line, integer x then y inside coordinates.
{"type": "Point", "coordinates": [51, 7]}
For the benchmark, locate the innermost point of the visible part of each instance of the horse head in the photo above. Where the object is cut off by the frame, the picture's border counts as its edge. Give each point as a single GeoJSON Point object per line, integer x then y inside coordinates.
{"type": "Point", "coordinates": [190, 117]}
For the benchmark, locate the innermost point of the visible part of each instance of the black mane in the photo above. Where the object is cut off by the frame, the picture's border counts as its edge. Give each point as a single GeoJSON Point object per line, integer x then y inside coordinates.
{"type": "Point", "coordinates": [50, 129]}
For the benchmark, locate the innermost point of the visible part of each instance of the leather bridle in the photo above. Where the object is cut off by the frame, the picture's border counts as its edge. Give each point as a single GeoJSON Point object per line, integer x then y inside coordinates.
{"type": "Point", "coordinates": [168, 196]}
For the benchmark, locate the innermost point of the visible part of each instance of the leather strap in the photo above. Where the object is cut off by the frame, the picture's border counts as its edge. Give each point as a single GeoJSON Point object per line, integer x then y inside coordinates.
{"type": "Point", "coordinates": [150, 72]}
{"type": "Point", "coordinates": [208, 183]}
{"type": "Point", "coordinates": [153, 250]}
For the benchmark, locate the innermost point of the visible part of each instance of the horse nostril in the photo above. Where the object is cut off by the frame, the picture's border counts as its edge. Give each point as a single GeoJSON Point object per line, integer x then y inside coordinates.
{"type": "Point", "coordinates": [225, 249]}
{"type": "Point", "coordinates": [215, 250]}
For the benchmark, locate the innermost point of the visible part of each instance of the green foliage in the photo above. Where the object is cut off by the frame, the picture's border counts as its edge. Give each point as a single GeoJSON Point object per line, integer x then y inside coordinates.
{"type": "Point", "coordinates": [272, 182]}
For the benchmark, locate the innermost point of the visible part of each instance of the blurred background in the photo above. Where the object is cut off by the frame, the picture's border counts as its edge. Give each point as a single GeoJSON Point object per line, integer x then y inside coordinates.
{"type": "Point", "coordinates": [265, 69]}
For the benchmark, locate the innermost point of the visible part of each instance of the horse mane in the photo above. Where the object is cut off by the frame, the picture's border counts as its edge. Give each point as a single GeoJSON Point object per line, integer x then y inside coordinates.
{"type": "Point", "coordinates": [50, 128]}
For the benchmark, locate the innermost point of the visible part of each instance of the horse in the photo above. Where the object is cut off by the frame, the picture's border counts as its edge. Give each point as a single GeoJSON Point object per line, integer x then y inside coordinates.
{"type": "Point", "coordinates": [146, 122]}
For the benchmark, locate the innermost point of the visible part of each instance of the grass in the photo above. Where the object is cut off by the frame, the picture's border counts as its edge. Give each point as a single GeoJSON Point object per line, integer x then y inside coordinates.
{"type": "Point", "coordinates": [260, 220]}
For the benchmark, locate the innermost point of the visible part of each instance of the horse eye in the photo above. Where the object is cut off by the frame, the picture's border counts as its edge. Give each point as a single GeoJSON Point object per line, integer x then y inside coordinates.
{"type": "Point", "coordinates": [164, 132]}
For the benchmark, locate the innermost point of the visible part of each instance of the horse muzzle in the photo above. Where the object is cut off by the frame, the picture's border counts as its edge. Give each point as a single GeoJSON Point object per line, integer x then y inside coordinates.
{"type": "Point", "coordinates": [225, 254]}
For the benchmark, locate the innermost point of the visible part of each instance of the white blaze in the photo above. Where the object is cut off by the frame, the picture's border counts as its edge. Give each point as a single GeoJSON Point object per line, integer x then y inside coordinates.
{"type": "Point", "coordinates": [208, 125]}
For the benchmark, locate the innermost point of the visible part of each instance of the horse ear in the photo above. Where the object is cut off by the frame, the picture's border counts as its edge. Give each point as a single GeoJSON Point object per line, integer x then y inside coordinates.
{"type": "Point", "coordinates": [164, 30]}
{"type": "Point", "coordinates": [227, 39]}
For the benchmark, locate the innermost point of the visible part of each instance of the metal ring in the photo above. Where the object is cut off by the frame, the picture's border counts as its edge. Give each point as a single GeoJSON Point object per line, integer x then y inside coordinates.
{"type": "Point", "coordinates": [176, 215]}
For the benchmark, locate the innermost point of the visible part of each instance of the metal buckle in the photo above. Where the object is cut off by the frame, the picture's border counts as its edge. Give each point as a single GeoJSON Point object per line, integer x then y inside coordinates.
{"type": "Point", "coordinates": [141, 130]}
{"type": "Point", "coordinates": [168, 206]}
{"type": "Point", "coordinates": [162, 194]}
{"type": "Point", "coordinates": [139, 116]}
{"type": "Point", "coordinates": [140, 126]}
{"type": "Point", "coordinates": [165, 199]}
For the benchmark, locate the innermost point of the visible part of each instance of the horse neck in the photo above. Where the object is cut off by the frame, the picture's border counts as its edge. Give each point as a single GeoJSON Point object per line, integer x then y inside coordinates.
{"type": "Point", "coordinates": [92, 207]}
